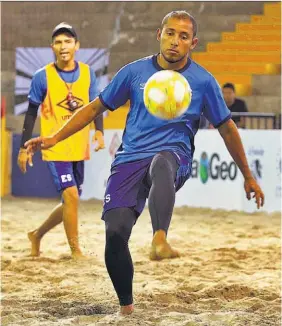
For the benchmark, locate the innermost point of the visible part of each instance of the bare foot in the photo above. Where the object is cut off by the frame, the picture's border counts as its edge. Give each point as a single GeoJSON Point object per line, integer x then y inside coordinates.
{"type": "Point", "coordinates": [78, 255]}
{"type": "Point", "coordinates": [160, 248]}
{"type": "Point", "coordinates": [126, 310]}
{"type": "Point", "coordinates": [35, 244]}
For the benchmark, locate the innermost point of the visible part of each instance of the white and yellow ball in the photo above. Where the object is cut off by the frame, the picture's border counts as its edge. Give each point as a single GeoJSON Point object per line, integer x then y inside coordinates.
{"type": "Point", "coordinates": [167, 94]}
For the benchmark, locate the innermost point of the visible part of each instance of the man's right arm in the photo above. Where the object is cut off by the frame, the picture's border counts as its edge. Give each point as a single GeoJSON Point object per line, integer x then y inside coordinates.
{"type": "Point", "coordinates": [78, 121]}
{"type": "Point", "coordinates": [115, 94]}
{"type": "Point", "coordinates": [37, 93]}
{"type": "Point", "coordinates": [29, 121]}
{"type": "Point", "coordinates": [36, 96]}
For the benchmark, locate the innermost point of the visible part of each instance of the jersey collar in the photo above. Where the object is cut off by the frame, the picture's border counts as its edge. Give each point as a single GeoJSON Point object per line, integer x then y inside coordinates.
{"type": "Point", "coordinates": [68, 71]}
{"type": "Point", "coordinates": [158, 67]}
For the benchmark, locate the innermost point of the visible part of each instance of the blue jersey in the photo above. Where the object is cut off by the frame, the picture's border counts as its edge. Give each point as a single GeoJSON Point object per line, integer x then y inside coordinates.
{"type": "Point", "coordinates": [146, 135]}
{"type": "Point", "coordinates": [38, 88]}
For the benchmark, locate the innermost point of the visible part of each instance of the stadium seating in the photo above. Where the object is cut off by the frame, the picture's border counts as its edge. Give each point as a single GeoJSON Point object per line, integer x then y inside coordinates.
{"type": "Point", "coordinates": [249, 56]}
{"type": "Point", "coordinates": [248, 32]}
{"type": "Point", "coordinates": [252, 49]}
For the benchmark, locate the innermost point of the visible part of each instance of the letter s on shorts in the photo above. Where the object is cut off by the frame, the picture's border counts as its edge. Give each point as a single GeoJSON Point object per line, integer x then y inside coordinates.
{"type": "Point", "coordinates": [107, 198]}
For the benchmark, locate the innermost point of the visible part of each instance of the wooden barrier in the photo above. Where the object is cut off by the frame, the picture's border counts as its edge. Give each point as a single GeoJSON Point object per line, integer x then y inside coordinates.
{"type": "Point", "coordinates": [6, 153]}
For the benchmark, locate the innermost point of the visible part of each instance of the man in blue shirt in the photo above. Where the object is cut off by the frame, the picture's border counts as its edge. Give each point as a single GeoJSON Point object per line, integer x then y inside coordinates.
{"type": "Point", "coordinates": [155, 157]}
{"type": "Point", "coordinates": [60, 88]}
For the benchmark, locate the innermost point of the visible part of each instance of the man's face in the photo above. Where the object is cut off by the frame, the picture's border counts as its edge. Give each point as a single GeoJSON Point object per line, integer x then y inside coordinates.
{"type": "Point", "coordinates": [64, 47]}
{"type": "Point", "coordinates": [228, 94]}
{"type": "Point", "coordinates": [176, 39]}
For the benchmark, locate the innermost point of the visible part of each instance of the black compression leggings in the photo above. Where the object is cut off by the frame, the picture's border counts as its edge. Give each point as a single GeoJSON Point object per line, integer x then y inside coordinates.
{"type": "Point", "coordinates": [119, 223]}
{"type": "Point", "coordinates": [161, 199]}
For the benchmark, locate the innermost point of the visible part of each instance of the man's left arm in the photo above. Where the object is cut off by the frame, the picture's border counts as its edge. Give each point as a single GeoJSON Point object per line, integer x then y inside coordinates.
{"type": "Point", "coordinates": [242, 121]}
{"type": "Point", "coordinates": [99, 121]}
{"type": "Point", "coordinates": [232, 139]}
{"type": "Point", "coordinates": [99, 132]}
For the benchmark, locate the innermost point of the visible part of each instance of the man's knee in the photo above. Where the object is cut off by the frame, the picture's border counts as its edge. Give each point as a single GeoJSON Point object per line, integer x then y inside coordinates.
{"type": "Point", "coordinates": [70, 195]}
{"type": "Point", "coordinates": [162, 165]}
{"type": "Point", "coordinates": [119, 223]}
{"type": "Point", "coordinates": [159, 163]}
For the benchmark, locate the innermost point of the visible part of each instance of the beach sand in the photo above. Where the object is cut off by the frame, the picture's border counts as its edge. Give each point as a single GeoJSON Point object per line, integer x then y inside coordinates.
{"type": "Point", "coordinates": [229, 272]}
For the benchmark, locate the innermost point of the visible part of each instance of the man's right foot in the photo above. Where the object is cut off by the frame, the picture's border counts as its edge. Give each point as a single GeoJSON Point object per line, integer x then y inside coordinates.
{"type": "Point", "coordinates": [35, 244]}
{"type": "Point", "coordinates": [78, 255]}
{"type": "Point", "coordinates": [126, 310]}
{"type": "Point", "coordinates": [160, 248]}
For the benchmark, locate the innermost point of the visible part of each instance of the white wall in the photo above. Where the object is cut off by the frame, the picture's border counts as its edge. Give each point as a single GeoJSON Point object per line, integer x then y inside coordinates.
{"type": "Point", "coordinates": [223, 187]}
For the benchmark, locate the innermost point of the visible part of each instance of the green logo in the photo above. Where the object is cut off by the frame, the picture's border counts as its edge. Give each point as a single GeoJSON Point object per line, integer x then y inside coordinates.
{"type": "Point", "coordinates": [204, 167]}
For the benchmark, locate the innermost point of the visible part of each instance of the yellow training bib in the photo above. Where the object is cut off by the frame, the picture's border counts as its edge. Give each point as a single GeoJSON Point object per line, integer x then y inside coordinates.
{"type": "Point", "coordinates": [55, 113]}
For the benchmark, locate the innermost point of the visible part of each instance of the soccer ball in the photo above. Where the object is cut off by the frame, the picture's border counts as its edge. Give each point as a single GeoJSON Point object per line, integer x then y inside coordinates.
{"type": "Point", "coordinates": [167, 94]}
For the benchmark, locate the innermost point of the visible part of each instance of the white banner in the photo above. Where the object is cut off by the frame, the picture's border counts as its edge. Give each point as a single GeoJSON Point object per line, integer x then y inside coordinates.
{"type": "Point", "coordinates": [263, 150]}
{"type": "Point", "coordinates": [216, 182]}
{"type": "Point", "coordinates": [97, 169]}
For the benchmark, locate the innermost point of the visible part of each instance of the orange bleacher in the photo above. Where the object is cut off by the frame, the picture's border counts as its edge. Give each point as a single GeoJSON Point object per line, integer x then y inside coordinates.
{"type": "Point", "coordinates": [116, 119]}
{"type": "Point", "coordinates": [252, 49]}
{"type": "Point", "coordinates": [243, 47]}
{"type": "Point", "coordinates": [235, 58]}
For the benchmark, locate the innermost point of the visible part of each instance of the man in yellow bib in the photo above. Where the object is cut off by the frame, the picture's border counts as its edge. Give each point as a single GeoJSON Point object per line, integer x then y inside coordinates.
{"type": "Point", "coordinates": [61, 88]}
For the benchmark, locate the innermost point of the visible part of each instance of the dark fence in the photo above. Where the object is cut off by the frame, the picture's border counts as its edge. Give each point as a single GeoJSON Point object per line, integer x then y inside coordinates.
{"type": "Point", "coordinates": [256, 120]}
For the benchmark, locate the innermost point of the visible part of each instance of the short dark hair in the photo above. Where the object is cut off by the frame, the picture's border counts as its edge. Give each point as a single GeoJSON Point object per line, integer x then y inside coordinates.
{"type": "Point", "coordinates": [181, 14]}
{"type": "Point", "coordinates": [229, 85]}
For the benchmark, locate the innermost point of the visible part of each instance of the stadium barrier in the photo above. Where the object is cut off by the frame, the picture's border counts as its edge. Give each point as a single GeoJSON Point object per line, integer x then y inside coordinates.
{"type": "Point", "coordinates": [258, 120]}
{"type": "Point", "coordinates": [5, 152]}
{"type": "Point", "coordinates": [216, 182]}
{"type": "Point", "coordinates": [37, 181]}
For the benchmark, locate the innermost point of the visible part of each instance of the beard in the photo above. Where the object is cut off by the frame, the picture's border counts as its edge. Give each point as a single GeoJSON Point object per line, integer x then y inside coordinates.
{"type": "Point", "coordinates": [172, 59]}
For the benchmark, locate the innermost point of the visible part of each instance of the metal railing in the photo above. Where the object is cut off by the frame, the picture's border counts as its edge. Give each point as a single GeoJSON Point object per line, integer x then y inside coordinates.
{"type": "Point", "coordinates": [250, 120]}
{"type": "Point", "coordinates": [258, 120]}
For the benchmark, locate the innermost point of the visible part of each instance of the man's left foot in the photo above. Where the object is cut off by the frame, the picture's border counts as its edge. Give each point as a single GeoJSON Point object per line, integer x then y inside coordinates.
{"type": "Point", "coordinates": [126, 310]}
{"type": "Point", "coordinates": [161, 249]}
{"type": "Point", "coordinates": [35, 243]}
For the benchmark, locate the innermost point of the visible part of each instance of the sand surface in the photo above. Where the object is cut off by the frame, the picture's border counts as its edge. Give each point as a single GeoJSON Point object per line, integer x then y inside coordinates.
{"type": "Point", "coordinates": [229, 273]}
